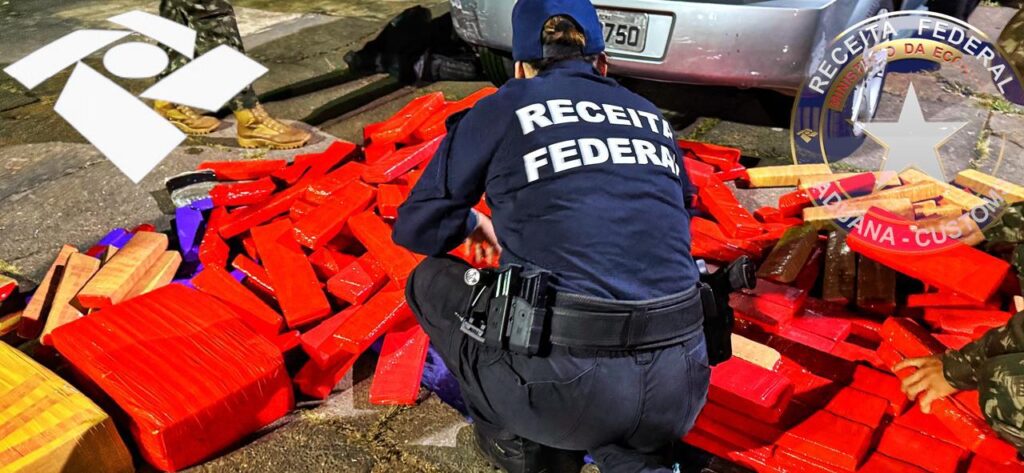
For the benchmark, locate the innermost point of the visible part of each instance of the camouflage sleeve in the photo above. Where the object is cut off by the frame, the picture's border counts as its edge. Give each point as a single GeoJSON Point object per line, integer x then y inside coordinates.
{"type": "Point", "coordinates": [961, 366]}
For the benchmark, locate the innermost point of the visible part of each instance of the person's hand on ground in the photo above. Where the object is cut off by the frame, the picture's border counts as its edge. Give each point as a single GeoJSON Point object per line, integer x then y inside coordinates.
{"type": "Point", "coordinates": [928, 381]}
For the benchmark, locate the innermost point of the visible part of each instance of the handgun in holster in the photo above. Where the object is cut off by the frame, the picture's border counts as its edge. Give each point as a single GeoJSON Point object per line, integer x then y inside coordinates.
{"type": "Point", "coordinates": [507, 309]}
{"type": "Point", "coordinates": [714, 293]}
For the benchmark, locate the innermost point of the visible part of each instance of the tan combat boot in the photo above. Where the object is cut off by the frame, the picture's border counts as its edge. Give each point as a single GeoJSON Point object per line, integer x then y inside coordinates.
{"type": "Point", "coordinates": [186, 118]}
{"type": "Point", "coordinates": [256, 129]}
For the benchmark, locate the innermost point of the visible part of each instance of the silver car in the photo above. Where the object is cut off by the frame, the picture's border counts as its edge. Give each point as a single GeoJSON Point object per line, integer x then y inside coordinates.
{"type": "Point", "coordinates": [768, 44]}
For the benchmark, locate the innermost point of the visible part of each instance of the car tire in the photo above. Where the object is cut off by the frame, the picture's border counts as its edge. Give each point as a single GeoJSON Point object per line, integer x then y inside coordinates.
{"type": "Point", "coordinates": [497, 66]}
{"type": "Point", "coordinates": [956, 8]}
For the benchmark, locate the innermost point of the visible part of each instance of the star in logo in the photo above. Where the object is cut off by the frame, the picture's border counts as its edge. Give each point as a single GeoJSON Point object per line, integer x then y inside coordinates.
{"type": "Point", "coordinates": [911, 141]}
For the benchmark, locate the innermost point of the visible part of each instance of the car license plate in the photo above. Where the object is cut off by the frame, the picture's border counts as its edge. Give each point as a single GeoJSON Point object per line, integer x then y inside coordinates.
{"type": "Point", "coordinates": [624, 31]}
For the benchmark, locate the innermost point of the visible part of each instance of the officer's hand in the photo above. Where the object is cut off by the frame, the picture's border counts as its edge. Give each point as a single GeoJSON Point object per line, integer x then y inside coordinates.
{"type": "Point", "coordinates": [484, 233]}
{"type": "Point", "coordinates": [928, 379]}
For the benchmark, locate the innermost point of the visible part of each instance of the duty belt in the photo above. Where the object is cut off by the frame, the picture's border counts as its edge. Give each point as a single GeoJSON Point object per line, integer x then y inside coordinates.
{"type": "Point", "coordinates": [520, 312]}
{"type": "Point", "coordinates": [590, 322]}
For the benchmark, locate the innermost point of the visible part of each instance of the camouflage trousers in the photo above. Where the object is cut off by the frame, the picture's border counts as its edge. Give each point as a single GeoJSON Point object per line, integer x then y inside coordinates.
{"type": "Point", "coordinates": [1012, 41]}
{"type": "Point", "coordinates": [214, 23]}
{"type": "Point", "coordinates": [1001, 391]}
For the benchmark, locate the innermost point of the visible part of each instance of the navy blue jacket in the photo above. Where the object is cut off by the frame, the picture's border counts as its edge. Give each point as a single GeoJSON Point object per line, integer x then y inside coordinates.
{"type": "Point", "coordinates": [583, 178]}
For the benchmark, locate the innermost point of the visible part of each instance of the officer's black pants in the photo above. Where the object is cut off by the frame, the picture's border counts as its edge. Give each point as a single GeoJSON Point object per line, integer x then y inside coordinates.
{"type": "Point", "coordinates": [622, 407]}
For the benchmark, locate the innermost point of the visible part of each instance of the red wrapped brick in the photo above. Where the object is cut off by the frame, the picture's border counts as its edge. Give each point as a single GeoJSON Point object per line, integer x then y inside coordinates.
{"type": "Point", "coordinates": [761, 310]}
{"type": "Point", "coordinates": [243, 170]}
{"type": "Point", "coordinates": [930, 453]}
{"type": "Point", "coordinates": [314, 338]}
{"type": "Point", "coordinates": [389, 198]}
{"type": "Point", "coordinates": [746, 387]}
{"type": "Point", "coordinates": [254, 312]}
{"type": "Point", "coordinates": [300, 209]}
{"type": "Point", "coordinates": [927, 424]}
{"type": "Point", "coordinates": [295, 284]}
{"type": "Point", "coordinates": [434, 126]}
{"type": "Point", "coordinates": [941, 299]}
{"type": "Point", "coordinates": [323, 223]}
{"type": "Point", "coordinates": [375, 235]}
{"type": "Point", "coordinates": [969, 322]}
{"type": "Point", "coordinates": [858, 406]}
{"type": "Point", "coordinates": [400, 162]}
{"type": "Point", "coordinates": [317, 381]}
{"type": "Point", "coordinates": [373, 319]}
{"type": "Point", "coordinates": [698, 171]}
{"type": "Point", "coordinates": [910, 339]}
{"type": "Point", "coordinates": [829, 439]}
{"type": "Point", "coordinates": [328, 262]}
{"type": "Point", "coordinates": [213, 250]}
{"type": "Point", "coordinates": [760, 431]}
{"type": "Point", "coordinates": [400, 367]}
{"type": "Point", "coordinates": [242, 193]}
{"type": "Point", "coordinates": [357, 281]}
{"type": "Point", "coordinates": [255, 275]}
{"type": "Point", "coordinates": [402, 124]}
{"type": "Point", "coordinates": [191, 378]}
{"type": "Point", "coordinates": [318, 191]}
{"type": "Point", "coordinates": [722, 204]}
{"type": "Point", "coordinates": [310, 166]}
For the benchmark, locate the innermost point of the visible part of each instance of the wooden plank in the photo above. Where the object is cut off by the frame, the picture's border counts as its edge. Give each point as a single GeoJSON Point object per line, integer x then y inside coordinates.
{"type": "Point", "coordinates": [9, 322]}
{"type": "Point", "coordinates": [848, 209]}
{"type": "Point", "coordinates": [783, 176]}
{"type": "Point", "coordinates": [916, 192]}
{"type": "Point", "coordinates": [79, 270]}
{"type": "Point", "coordinates": [116, 278]}
{"type": "Point", "coordinates": [952, 194]}
{"type": "Point", "coordinates": [962, 228]}
{"type": "Point", "coordinates": [809, 181]}
{"type": "Point", "coordinates": [756, 353]}
{"type": "Point", "coordinates": [985, 184]}
{"type": "Point", "coordinates": [159, 275]}
{"type": "Point", "coordinates": [34, 315]}
{"type": "Point", "coordinates": [942, 211]}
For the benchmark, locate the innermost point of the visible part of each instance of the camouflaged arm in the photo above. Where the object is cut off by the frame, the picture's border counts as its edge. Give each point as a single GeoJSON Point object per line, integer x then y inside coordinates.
{"type": "Point", "coordinates": [961, 366]}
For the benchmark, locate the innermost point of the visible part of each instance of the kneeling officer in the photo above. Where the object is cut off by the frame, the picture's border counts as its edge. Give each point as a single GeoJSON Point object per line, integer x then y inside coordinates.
{"type": "Point", "coordinates": [589, 337]}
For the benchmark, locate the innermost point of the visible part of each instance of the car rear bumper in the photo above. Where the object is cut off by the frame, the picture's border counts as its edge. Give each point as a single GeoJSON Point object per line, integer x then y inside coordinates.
{"type": "Point", "coordinates": [742, 43]}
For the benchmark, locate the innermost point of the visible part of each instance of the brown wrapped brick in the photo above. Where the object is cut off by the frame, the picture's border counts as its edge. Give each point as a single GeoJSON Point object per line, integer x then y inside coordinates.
{"type": "Point", "coordinates": [840, 280]}
{"type": "Point", "coordinates": [876, 286]}
{"type": "Point", "coordinates": [789, 256]}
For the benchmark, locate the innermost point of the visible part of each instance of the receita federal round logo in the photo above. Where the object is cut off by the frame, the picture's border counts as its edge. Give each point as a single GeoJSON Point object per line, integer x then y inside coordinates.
{"type": "Point", "coordinates": [911, 112]}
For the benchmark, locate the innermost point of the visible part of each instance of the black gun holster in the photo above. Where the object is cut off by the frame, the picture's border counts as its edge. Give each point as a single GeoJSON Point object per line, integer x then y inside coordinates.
{"type": "Point", "coordinates": [718, 316]}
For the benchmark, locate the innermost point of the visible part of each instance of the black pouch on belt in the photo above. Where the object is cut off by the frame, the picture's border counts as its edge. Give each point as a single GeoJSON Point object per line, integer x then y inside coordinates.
{"type": "Point", "coordinates": [718, 316]}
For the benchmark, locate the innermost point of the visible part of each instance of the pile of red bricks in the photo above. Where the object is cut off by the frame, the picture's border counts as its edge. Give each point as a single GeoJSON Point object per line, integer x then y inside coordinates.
{"type": "Point", "coordinates": [284, 258]}
{"type": "Point", "coordinates": [837, 310]}
{"type": "Point", "coordinates": [295, 258]}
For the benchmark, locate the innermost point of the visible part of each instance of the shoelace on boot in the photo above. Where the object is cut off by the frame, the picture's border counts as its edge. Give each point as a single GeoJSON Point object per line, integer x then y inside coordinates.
{"type": "Point", "coordinates": [262, 117]}
{"type": "Point", "coordinates": [187, 111]}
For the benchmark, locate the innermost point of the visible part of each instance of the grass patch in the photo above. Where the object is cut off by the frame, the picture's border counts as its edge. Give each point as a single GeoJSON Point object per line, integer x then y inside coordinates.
{"type": "Point", "coordinates": [981, 148]}
{"type": "Point", "coordinates": [704, 126]}
{"type": "Point", "coordinates": [847, 167]}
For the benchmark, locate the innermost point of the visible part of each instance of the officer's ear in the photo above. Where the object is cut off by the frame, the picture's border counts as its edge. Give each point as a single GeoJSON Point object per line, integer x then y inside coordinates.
{"type": "Point", "coordinates": [524, 71]}
{"type": "Point", "coordinates": [601, 64]}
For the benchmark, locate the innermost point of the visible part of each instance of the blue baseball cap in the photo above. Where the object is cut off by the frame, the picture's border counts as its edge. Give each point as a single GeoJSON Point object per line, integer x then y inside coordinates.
{"type": "Point", "coordinates": [529, 16]}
